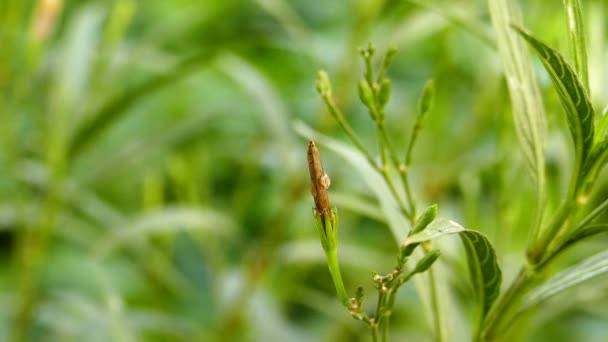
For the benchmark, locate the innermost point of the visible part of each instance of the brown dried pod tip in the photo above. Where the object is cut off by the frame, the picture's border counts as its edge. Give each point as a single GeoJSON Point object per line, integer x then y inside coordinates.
{"type": "Point", "coordinates": [319, 181]}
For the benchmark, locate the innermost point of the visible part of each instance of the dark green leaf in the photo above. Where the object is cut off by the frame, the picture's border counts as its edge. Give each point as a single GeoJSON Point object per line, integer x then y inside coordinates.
{"type": "Point", "coordinates": [572, 94]}
{"type": "Point", "coordinates": [585, 232]}
{"type": "Point", "coordinates": [485, 272]}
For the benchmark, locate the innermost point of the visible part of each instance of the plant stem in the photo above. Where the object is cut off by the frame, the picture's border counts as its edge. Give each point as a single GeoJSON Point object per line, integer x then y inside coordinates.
{"type": "Point", "coordinates": [393, 189]}
{"type": "Point", "coordinates": [402, 171]}
{"type": "Point", "coordinates": [334, 269]}
{"type": "Point", "coordinates": [375, 332]}
{"type": "Point", "coordinates": [435, 309]}
{"type": "Point", "coordinates": [385, 327]}
{"type": "Point", "coordinates": [339, 117]}
{"type": "Point", "coordinates": [537, 249]}
{"type": "Point", "coordinates": [507, 302]}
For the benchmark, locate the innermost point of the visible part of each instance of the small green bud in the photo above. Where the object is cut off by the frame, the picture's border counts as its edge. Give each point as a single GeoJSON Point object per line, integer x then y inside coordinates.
{"type": "Point", "coordinates": [427, 261]}
{"type": "Point", "coordinates": [390, 54]}
{"type": "Point", "coordinates": [323, 85]}
{"type": "Point", "coordinates": [427, 217]}
{"type": "Point", "coordinates": [384, 94]}
{"type": "Point", "coordinates": [425, 103]}
{"type": "Point", "coordinates": [367, 52]}
{"type": "Point", "coordinates": [366, 96]}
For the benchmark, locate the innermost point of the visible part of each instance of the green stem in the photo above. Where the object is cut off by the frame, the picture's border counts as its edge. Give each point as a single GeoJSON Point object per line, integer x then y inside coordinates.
{"type": "Point", "coordinates": [339, 117]}
{"type": "Point", "coordinates": [334, 269]}
{"type": "Point", "coordinates": [393, 189]}
{"type": "Point", "coordinates": [537, 250]}
{"type": "Point", "coordinates": [435, 309]}
{"type": "Point", "coordinates": [385, 325]}
{"type": "Point", "coordinates": [375, 332]}
{"type": "Point", "coordinates": [502, 310]}
{"type": "Point", "coordinates": [408, 192]}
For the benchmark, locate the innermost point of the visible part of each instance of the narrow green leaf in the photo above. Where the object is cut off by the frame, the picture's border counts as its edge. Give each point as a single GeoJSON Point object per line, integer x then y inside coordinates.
{"type": "Point", "coordinates": [576, 33]}
{"type": "Point", "coordinates": [165, 221]}
{"type": "Point", "coordinates": [485, 272]}
{"type": "Point", "coordinates": [570, 277]}
{"type": "Point", "coordinates": [117, 107]}
{"type": "Point", "coordinates": [574, 98]}
{"type": "Point", "coordinates": [526, 102]}
{"type": "Point", "coordinates": [584, 233]}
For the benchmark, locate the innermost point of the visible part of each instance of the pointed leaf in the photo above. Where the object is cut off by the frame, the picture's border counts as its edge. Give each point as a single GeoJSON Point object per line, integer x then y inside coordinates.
{"type": "Point", "coordinates": [485, 272]}
{"type": "Point", "coordinates": [572, 276]}
{"type": "Point", "coordinates": [576, 33]}
{"type": "Point", "coordinates": [526, 103]}
{"type": "Point", "coordinates": [572, 94]}
{"type": "Point", "coordinates": [586, 232]}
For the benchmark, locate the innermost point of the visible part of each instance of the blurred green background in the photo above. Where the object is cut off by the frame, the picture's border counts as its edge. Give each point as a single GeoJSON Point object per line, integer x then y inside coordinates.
{"type": "Point", "coordinates": [153, 178]}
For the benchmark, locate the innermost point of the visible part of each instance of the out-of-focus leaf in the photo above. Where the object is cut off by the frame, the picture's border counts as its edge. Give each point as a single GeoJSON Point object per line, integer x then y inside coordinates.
{"type": "Point", "coordinates": [358, 204]}
{"type": "Point", "coordinates": [115, 108]}
{"type": "Point", "coordinates": [576, 33]}
{"type": "Point", "coordinates": [166, 220]}
{"type": "Point", "coordinates": [572, 276]}
{"type": "Point", "coordinates": [138, 149]}
{"type": "Point", "coordinates": [485, 272]}
{"type": "Point", "coordinates": [461, 18]}
{"type": "Point", "coordinates": [526, 102]}
{"type": "Point", "coordinates": [272, 111]}
{"type": "Point", "coordinates": [572, 94]}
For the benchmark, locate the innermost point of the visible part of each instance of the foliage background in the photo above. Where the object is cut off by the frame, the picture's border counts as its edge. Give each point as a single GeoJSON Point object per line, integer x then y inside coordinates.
{"type": "Point", "coordinates": [154, 142]}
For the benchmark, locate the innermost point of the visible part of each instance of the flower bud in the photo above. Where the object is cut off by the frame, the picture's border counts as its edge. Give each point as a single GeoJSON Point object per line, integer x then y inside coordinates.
{"type": "Point", "coordinates": [384, 94]}
{"type": "Point", "coordinates": [427, 261]}
{"type": "Point", "coordinates": [367, 96]}
{"type": "Point", "coordinates": [427, 217]}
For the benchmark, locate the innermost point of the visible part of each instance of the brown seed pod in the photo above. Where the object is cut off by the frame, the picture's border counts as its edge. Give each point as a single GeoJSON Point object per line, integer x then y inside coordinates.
{"type": "Point", "coordinates": [319, 180]}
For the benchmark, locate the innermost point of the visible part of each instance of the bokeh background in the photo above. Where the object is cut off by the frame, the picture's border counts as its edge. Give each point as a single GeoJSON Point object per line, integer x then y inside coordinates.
{"type": "Point", "coordinates": [153, 178]}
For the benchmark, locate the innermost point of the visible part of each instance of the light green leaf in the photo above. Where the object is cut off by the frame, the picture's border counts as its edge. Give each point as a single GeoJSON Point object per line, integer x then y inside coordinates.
{"type": "Point", "coordinates": [485, 272]}
{"type": "Point", "coordinates": [570, 277]}
{"type": "Point", "coordinates": [164, 221]}
{"type": "Point", "coordinates": [573, 96]}
{"type": "Point", "coordinates": [576, 33]}
{"type": "Point", "coordinates": [117, 107]}
{"type": "Point", "coordinates": [526, 102]}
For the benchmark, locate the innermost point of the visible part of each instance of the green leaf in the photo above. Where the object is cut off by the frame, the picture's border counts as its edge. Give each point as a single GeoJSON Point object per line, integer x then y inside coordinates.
{"type": "Point", "coordinates": [485, 272]}
{"type": "Point", "coordinates": [585, 232]}
{"type": "Point", "coordinates": [570, 277]}
{"type": "Point", "coordinates": [117, 107]}
{"type": "Point", "coordinates": [572, 94]}
{"type": "Point", "coordinates": [598, 157]}
{"type": "Point", "coordinates": [576, 33]}
{"type": "Point", "coordinates": [526, 102]}
{"type": "Point", "coordinates": [168, 220]}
